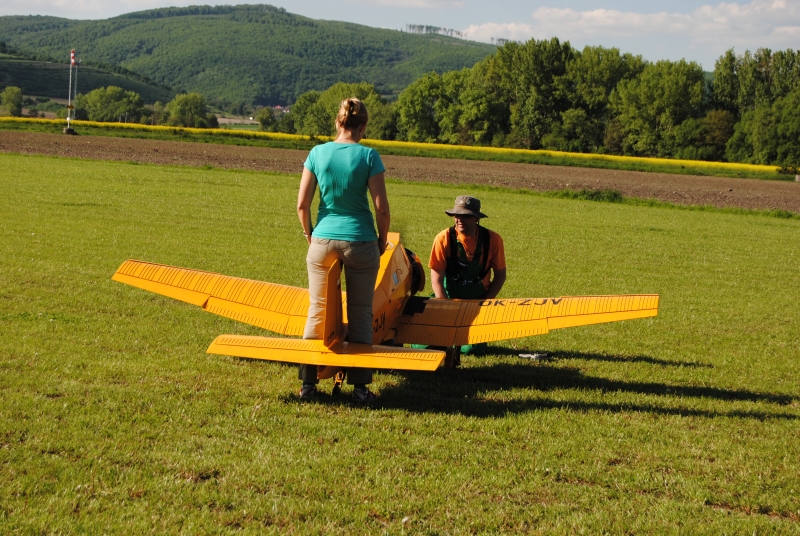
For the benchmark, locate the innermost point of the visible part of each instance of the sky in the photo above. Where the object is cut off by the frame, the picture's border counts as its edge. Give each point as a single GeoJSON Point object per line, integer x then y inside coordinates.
{"type": "Point", "coordinates": [680, 29]}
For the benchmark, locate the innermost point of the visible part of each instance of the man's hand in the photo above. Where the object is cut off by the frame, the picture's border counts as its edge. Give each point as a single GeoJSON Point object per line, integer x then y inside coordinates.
{"type": "Point", "coordinates": [498, 279]}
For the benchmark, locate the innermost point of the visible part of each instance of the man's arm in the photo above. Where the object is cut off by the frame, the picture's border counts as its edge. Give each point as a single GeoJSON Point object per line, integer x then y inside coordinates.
{"type": "Point", "coordinates": [437, 282]}
{"type": "Point", "coordinates": [496, 285]}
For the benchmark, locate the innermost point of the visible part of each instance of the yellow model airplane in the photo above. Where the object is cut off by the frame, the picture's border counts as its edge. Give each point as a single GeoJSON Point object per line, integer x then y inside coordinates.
{"type": "Point", "coordinates": [399, 317]}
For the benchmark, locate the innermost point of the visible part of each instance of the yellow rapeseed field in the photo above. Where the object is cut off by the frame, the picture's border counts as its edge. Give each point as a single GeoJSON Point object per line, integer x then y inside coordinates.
{"type": "Point", "coordinates": [431, 148]}
{"type": "Point", "coordinates": [574, 156]}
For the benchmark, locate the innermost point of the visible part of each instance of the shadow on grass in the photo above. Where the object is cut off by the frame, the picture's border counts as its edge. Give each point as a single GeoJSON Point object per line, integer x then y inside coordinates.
{"type": "Point", "coordinates": [461, 391]}
{"type": "Point", "coordinates": [498, 351]}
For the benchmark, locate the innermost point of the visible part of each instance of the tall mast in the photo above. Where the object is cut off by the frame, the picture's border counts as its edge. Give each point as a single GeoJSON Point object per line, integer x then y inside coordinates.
{"type": "Point", "coordinates": [69, 94]}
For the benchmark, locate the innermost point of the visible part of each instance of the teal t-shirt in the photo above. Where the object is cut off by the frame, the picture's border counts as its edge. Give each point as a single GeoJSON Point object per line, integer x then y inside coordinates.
{"type": "Point", "coordinates": [342, 171]}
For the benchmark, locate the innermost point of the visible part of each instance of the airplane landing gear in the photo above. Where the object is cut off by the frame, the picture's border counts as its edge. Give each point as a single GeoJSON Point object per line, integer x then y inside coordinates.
{"type": "Point", "coordinates": [452, 357]}
{"type": "Point", "coordinates": [338, 380]}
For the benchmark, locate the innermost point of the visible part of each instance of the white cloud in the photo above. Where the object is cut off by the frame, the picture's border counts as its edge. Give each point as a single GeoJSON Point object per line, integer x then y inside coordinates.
{"type": "Point", "coordinates": [414, 4]}
{"type": "Point", "coordinates": [702, 34]}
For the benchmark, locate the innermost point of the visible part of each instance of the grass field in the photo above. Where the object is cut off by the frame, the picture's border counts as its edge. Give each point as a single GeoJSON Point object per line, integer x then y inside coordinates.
{"type": "Point", "coordinates": [242, 126]}
{"type": "Point", "coordinates": [114, 420]}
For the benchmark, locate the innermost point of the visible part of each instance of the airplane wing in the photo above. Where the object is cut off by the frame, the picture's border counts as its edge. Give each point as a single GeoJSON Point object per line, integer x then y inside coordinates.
{"type": "Point", "coordinates": [278, 308]}
{"type": "Point", "coordinates": [438, 322]}
{"type": "Point", "coordinates": [314, 352]}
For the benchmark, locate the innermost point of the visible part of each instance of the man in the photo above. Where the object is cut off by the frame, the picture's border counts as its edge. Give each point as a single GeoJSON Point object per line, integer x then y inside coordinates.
{"type": "Point", "coordinates": [467, 261]}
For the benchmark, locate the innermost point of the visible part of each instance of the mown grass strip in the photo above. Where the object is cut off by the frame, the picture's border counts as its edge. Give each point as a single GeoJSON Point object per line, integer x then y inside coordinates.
{"type": "Point", "coordinates": [272, 139]}
{"type": "Point", "coordinates": [612, 196]}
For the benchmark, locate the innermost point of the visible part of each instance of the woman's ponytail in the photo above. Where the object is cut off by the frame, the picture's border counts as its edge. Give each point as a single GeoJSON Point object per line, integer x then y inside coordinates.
{"type": "Point", "coordinates": [352, 114]}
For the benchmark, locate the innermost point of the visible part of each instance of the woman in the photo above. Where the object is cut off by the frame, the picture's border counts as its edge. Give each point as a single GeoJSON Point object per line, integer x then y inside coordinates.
{"type": "Point", "coordinates": [345, 171]}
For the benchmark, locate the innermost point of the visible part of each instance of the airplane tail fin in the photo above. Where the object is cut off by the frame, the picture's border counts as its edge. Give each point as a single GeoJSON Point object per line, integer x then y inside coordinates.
{"type": "Point", "coordinates": [315, 352]}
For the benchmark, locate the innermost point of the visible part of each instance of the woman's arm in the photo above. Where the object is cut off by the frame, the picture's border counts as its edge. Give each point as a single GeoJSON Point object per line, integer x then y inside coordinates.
{"type": "Point", "coordinates": [308, 185]}
{"type": "Point", "coordinates": [377, 188]}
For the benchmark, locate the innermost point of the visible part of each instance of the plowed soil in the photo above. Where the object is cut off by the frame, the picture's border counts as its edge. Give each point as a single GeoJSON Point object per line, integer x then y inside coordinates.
{"type": "Point", "coordinates": [681, 189]}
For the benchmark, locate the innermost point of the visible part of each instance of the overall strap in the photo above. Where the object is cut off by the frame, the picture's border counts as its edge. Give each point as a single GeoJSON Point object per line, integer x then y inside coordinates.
{"type": "Point", "coordinates": [481, 252]}
{"type": "Point", "coordinates": [452, 259]}
{"type": "Point", "coordinates": [484, 238]}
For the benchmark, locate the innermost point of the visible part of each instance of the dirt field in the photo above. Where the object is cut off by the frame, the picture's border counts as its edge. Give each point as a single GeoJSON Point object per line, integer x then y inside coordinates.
{"type": "Point", "coordinates": [683, 189]}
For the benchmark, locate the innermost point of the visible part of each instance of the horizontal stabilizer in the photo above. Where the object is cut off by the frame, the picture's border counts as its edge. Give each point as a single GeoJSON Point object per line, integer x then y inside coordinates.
{"type": "Point", "coordinates": [314, 352]}
{"type": "Point", "coordinates": [278, 308]}
{"type": "Point", "coordinates": [456, 322]}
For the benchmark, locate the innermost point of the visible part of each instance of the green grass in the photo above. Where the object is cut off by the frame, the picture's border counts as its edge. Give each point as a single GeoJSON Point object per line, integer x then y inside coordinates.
{"type": "Point", "coordinates": [114, 420]}
{"type": "Point", "coordinates": [243, 126]}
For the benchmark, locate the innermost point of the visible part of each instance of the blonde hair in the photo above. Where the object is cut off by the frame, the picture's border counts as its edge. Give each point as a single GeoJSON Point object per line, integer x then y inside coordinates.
{"type": "Point", "coordinates": [352, 114]}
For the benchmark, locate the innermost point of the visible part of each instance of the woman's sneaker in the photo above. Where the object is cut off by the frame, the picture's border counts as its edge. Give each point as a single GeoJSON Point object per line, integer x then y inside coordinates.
{"type": "Point", "coordinates": [363, 395]}
{"type": "Point", "coordinates": [308, 391]}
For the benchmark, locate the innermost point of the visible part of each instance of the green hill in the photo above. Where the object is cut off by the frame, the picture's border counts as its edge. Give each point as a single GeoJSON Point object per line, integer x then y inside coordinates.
{"type": "Point", "coordinates": [249, 54]}
{"type": "Point", "coordinates": [48, 79]}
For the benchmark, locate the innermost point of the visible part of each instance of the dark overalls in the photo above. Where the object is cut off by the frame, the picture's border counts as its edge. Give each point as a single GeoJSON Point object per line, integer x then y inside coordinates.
{"type": "Point", "coordinates": [463, 279]}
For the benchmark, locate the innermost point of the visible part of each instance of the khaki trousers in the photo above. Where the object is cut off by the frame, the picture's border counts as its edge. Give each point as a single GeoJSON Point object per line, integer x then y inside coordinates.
{"type": "Point", "coordinates": [361, 262]}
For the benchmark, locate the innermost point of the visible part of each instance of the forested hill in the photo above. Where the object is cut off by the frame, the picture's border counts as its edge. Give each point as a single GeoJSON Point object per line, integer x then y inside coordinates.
{"type": "Point", "coordinates": [249, 54]}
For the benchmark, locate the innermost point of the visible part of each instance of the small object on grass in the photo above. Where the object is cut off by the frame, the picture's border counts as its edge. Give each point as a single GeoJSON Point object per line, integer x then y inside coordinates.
{"type": "Point", "coordinates": [542, 356]}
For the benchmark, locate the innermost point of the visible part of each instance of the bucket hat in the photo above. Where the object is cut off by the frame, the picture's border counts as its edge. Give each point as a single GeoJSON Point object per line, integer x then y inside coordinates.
{"type": "Point", "coordinates": [466, 206]}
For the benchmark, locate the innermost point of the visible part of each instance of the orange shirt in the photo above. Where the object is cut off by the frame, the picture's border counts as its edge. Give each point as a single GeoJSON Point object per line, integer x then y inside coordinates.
{"type": "Point", "coordinates": [441, 250]}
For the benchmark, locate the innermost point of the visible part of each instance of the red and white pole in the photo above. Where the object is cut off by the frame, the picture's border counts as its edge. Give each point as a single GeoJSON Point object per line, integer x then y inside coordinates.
{"type": "Point", "coordinates": [75, 87]}
{"type": "Point", "coordinates": [69, 94]}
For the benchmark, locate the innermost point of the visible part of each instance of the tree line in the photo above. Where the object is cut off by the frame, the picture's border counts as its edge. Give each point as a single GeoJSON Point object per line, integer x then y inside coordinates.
{"type": "Point", "coordinates": [547, 95]}
{"type": "Point", "coordinates": [114, 104]}
{"type": "Point", "coordinates": [110, 104]}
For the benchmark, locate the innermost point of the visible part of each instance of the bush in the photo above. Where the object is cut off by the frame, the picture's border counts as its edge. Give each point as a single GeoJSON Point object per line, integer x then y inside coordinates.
{"type": "Point", "coordinates": [109, 104]}
{"type": "Point", "coordinates": [11, 99]}
{"type": "Point", "coordinates": [315, 113]}
{"type": "Point", "coordinates": [190, 110]}
{"type": "Point", "coordinates": [266, 118]}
